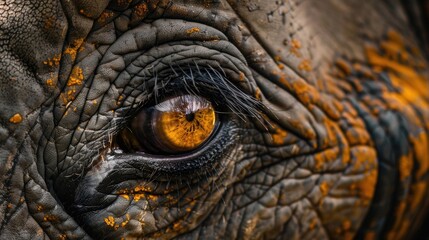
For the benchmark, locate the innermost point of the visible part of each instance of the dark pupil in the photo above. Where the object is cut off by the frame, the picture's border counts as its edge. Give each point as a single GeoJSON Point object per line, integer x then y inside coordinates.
{"type": "Point", "coordinates": [190, 116]}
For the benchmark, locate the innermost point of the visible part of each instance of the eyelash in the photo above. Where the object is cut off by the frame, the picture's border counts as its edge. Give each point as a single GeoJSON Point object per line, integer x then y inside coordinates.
{"type": "Point", "coordinates": [211, 84]}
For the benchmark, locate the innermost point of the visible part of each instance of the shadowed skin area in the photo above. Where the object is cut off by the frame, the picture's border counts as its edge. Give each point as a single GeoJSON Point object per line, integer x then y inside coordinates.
{"type": "Point", "coordinates": [323, 111]}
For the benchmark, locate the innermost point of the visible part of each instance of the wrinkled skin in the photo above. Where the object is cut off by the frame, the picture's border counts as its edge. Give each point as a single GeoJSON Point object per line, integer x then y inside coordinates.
{"type": "Point", "coordinates": [336, 145]}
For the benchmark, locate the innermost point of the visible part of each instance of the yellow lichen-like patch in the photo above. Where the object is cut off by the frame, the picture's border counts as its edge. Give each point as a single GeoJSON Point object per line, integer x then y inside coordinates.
{"type": "Point", "coordinates": [193, 30]}
{"type": "Point", "coordinates": [346, 225]}
{"type": "Point", "coordinates": [62, 237]}
{"type": "Point", "coordinates": [141, 9]}
{"type": "Point", "coordinates": [343, 66]}
{"type": "Point", "coordinates": [76, 77]}
{"type": "Point", "coordinates": [363, 157]}
{"type": "Point", "coordinates": [50, 218]}
{"type": "Point", "coordinates": [152, 197]}
{"type": "Point", "coordinates": [325, 157]}
{"type": "Point", "coordinates": [137, 197]}
{"type": "Point", "coordinates": [142, 189]}
{"type": "Point", "coordinates": [295, 43]}
{"type": "Point", "coordinates": [402, 73]}
{"type": "Point", "coordinates": [309, 95]}
{"type": "Point", "coordinates": [405, 166]}
{"type": "Point", "coordinates": [84, 13]}
{"type": "Point", "coordinates": [313, 224]}
{"type": "Point", "coordinates": [105, 16]}
{"type": "Point", "coordinates": [73, 49]}
{"type": "Point", "coordinates": [258, 94]}
{"type": "Point", "coordinates": [54, 61]}
{"type": "Point", "coordinates": [52, 80]}
{"type": "Point", "coordinates": [110, 221]}
{"type": "Point", "coordinates": [49, 22]}
{"type": "Point", "coordinates": [421, 151]}
{"type": "Point", "coordinates": [124, 223]}
{"type": "Point", "coordinates": [242, 77]}
{"type": "Point", "coordinates": [324, 188]}
{"type": "Point", "coordinates": [17, 118]}
{"type": "Point", "coordinates": [295, 46]}
{"type": "Point", "coordinates": [399, 213]}
{"type": "Point", "coordinates": [305, 65]}
{"type": "Point", "coordinates": [125, 196]}
{"type": "Point", "coordinates": [177, 226]}
{"type": "Point", "coordinates": [367, 185]}
{"type": "Point", "coordinates": [279, 136]}
{"type": "Point", "coordinates": [331, 134]}
{"type": "Point", "coordinates": [139, 192]}
{"type": "Point", "coordinates": [419, 191]}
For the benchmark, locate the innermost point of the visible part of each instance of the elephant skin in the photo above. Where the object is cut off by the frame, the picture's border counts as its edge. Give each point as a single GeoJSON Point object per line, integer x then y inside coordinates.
{"type": "Point", "coordinates": [322, 130]}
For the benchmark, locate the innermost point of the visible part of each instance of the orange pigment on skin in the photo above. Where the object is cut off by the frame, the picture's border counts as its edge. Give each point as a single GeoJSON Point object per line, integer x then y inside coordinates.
{"type": "Point", "coordinates": [367, 185]}
{"type": "Point", "coordinates": [110, 221]}
{"type": "Point", "coordinates": [105, 16]}
{"type": "Point", "coordinates": [325, 157]}
{"type": "Point", "coordinates": [313, 224]}
{"type": "Point", "coordinates": [74, 48]}
{"type": "Point", "coordinates": [295, 48]}
{"type": "Point", "coordinates": [344, 66]}
{"type": "Point", "coordinates": [138, 193]}
{"type": "Point", "coordinates": [141, 10]}
{"type": "Point", "coordinates": [402, 71]}
{"type": "Point", "coordinates": [279, 136]}
{"type": "Point", "coordinates": [242, 77]}
{"type": "Point", "coordinates": [363, 157]}
{"type": "Point", "coordinates": [50, 218]}
{"type": "Point", "coordinates": [324, 188]}
{"type": "Point", "coordinates": [305, 65]}
{"type": "Point", "coordinates": [17, 118]}
{"type": "Point", "coordinates": [52, 80]}
{"type": "Point", "coordinates": [346, 225]}
{"type": "Point", "coordinates": [82, 12]}
{"type": "Point", "coordinates": [76, 77]}
{"type": "Point", "coordinates": [54, 61]}
{"type": "Point", "coordinates": [258, 94]}
{"type": "Point", "coordinates": [193, 30]}
{"type": "Point", "coordinates": [406, 166]}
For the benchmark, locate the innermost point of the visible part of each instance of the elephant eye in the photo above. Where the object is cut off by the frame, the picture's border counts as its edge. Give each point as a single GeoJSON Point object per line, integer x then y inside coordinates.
{"type": "Point", "coordinates": [176, 125]}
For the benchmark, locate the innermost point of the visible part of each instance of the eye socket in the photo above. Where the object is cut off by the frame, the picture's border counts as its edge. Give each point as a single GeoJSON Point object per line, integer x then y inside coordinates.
{"type": "Point", "coordinates": [176, 125]}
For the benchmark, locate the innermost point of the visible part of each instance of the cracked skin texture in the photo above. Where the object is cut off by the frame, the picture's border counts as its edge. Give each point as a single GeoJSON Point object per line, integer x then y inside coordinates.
{"type": "Point", "coordinates": [339, 149]}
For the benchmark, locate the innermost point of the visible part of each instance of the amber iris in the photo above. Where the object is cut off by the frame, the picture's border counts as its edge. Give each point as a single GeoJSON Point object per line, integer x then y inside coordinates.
{"type": "Point", "coordinates": [184, 123]}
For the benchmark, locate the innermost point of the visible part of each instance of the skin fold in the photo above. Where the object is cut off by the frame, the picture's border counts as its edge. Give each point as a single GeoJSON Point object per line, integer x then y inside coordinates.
{"type": "Point", "coordinates": [323, 127]}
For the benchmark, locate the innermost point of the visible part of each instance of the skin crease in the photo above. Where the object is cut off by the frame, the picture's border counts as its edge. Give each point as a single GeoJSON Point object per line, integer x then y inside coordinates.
{"type": "Point", "coordinates": [338, 147]}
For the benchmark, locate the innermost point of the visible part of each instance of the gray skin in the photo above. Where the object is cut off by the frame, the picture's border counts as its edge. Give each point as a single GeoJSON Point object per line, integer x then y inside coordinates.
{"type": "Point", "coordinates": [328, 137]}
